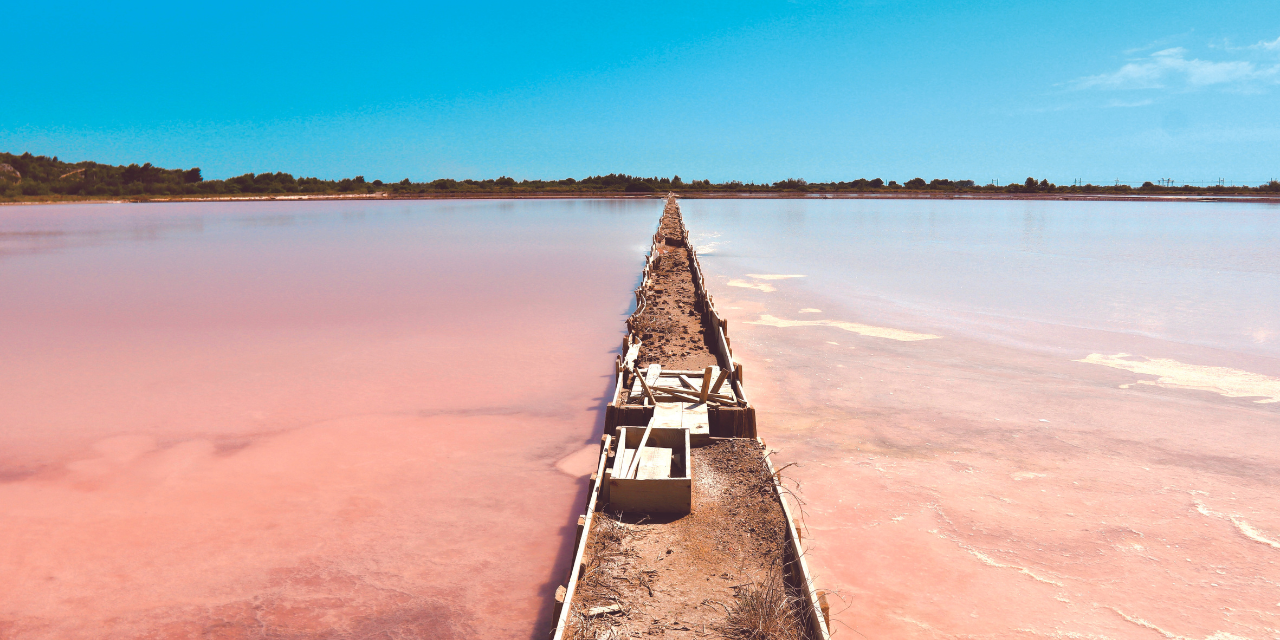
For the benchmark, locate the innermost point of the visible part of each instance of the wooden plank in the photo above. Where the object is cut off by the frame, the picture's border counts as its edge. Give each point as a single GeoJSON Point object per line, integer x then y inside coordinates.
{"type": "Point", "coordinates": [564, 600]}
{"type": "Point", "coordinates": [652, 373]}
{"type": "Point", "coordinates": [693, 416]}
{"type": "Point", "coordinates": [793, 537]}
{"type": "Point", "coordinates": [617, 385]}
{"type": "Point", "coordinates": [622, 461]}
{"type": "Point", "coordinates": [655, 464]}
{"type": "Point", "coordinates": [706, 383]}
{"type": "Point", "coordinates": [635, 461]}
{"type": "Point", "coordinates": [679, 395]}
{"type": "Point", "coordinates": [672, 394]}
{"type": "Point", "coordinates": [688, 384]}
{"type": "Point", "coordinates": [666, 414]}
{"type": "Point", "coordinates": [653, 496]}
{"type": "Point", "coordinates": [724, 373]}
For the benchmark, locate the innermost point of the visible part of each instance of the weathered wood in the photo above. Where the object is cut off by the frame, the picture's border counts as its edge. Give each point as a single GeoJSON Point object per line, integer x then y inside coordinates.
{"type": "Point", "coordinates": [706, 383]}
{"type": "Point", "coordinates": [652, 373]}
{"type": "Point", "coordinates": [684, 395]}
{"type": "Point", "coordinates": [732, 422]}
{"type": "Point", "coordinates": [693, 416]}
{"type": "Point", "coordinates": [622, 461]}
{"type": "Point", "coordinates": [670, 494]}
{"type": "Point", "coordinates": [564, 594]}
{"type": "Point", "coordinates": [644, 383]}
{"type": "Point", "coordinates": [666, 415]}
{"type": "Point", "coordinates": [679, 393]}
{"type": "Point", "coordinates": [631, 415]}
{"type": "Point", "coordinates": [599, 611]}
{"type": "Point", "coordinates": [803, 578]}
{"type": "Point", "coordinates": [654, 496]}
{"type": "Point", "coordinates": [655, 463]}
{"type": "Point", "coordinates": [635, 460]}
{"type": "Point", "coordinates": [724, 373]}
{"type": "Point", "coordinates": [619, 374]}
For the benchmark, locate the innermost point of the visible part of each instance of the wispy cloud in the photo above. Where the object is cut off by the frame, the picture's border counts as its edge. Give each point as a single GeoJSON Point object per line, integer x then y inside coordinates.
{"type": "Point", "coordinates": [1274, 45]}
{"type": "Point", "coordinates": [1172, 69]}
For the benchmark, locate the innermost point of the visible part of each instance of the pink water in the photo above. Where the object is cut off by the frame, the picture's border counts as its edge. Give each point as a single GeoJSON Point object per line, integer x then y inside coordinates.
{"type": "Point", "coordinates": [295, 420]}
{"type": "Point", "coordinates": [986, 483]}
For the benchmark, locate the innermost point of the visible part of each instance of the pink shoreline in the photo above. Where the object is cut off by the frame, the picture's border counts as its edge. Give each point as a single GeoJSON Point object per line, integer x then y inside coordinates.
{"type": "Point", "coordinates": [1078, 197]}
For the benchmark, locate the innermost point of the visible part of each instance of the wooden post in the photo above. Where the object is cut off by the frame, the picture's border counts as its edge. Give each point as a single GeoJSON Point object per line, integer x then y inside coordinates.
{"type": "Point", "coordinates": [644, 384]}
{"type": "Point", "coordinates": [715, 388]}
{"type": "Point", "coordinates": [706, 384]}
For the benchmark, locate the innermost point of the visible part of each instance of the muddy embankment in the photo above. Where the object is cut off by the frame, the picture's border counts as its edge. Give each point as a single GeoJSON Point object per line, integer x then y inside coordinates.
{"type": "Point", "coordinates": [731, 565]}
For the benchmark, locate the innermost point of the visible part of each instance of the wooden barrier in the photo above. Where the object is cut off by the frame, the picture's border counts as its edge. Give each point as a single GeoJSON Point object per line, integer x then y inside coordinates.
{"type": "Point", "coordinates": [797, 569]}
{"type": "Point", "coordinates": [564, 593]}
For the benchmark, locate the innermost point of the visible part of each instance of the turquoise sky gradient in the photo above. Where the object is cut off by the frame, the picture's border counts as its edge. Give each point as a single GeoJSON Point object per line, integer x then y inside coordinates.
{"type": "Point", "coordinates": [1096, 91]}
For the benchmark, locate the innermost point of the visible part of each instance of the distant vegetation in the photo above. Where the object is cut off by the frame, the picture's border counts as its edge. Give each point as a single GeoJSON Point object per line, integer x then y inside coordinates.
{"type": "Point", "coordinates": [27, 178]}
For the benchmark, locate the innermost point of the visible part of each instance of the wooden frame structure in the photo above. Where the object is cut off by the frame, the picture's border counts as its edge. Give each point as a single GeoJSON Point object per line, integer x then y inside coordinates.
{"type": "Point", "coordinates": [633, 484]}
{"type": "Point", "coordinates": [732, 417]}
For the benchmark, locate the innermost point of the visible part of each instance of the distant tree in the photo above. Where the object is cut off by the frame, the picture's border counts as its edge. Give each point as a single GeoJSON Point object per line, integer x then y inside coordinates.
{"type": "Point", "coordinates": [192, 175]}
{"type": "Point", "coordinates": [640, 187]}
{"type": "Point", "coordinates": [915, 183]}
{"type": "Point", "coordinates": [676, 181]}
{"type": "Point", "coordinates": [504, 181]}
{"type": "Point", "coordinates": [877, 183]}
{"type": "Point", "coordinates": [1030, 183]}
{"type": "Point", "coordinates": [405, 182]}
{"type": "Point", "coordinates": [893, 184]}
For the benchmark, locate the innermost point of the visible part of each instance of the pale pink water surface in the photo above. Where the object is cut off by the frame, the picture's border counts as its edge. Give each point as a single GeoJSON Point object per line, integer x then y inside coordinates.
{"type": "Point", "coordinates": [295, 420]}
{"type": "Point", "coordinates": [990, 482]}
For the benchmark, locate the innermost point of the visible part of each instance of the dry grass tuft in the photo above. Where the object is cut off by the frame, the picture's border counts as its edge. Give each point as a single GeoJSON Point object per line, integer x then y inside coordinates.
{"type": "Point", "coordinates": [597, 583]}
{"type": "Point", "coordinates": [764, 610]}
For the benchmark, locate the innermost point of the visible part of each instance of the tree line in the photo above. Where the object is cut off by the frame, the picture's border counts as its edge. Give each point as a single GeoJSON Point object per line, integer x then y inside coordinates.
{"type": "Point", "coordinates": [28, 177]}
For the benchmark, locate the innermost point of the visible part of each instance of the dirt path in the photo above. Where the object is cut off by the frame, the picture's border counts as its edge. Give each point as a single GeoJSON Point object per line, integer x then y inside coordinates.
{"type": "Point", "coordinates": [682, 577]}
{"type": "Point", "coordinates": [720, 569]}
{"type": "Point", "coordinates": [671, 325]}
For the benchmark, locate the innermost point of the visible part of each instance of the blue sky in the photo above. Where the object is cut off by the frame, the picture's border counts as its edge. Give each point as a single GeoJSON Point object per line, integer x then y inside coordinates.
{"type": "Point", "coordinates": [756, 91]}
